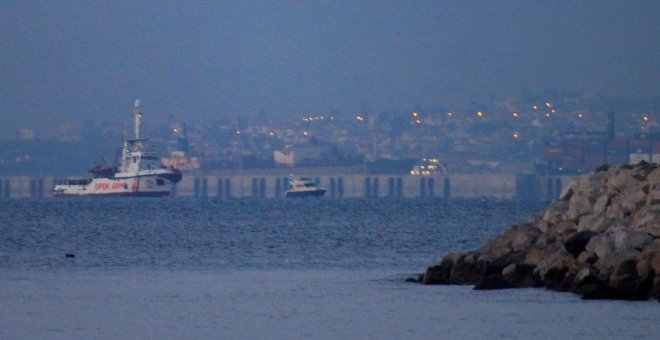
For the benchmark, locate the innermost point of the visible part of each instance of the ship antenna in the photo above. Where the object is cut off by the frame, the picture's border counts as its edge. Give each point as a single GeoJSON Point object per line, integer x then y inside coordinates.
{"type": "Point", "coordinates": [138, 118]}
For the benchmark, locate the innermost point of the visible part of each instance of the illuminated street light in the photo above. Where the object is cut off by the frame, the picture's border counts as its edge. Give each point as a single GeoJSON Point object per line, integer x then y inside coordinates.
{"type": "Point", "coordinates": [535, 107]}
{"type": "Point", "coordinates": [360, 118]}
{"type": "Point", "coordinates": [514, 114]}
{"type": "Point", "coordinates": [450, 114]}
{"type": "Point", "coordinates": [548, 105]}
{"type": "Point", "coordinates": [580, 115]}
{"type": "Point", "coordinates": [415, 114]}
{"type": "Point", "coordinates": [480, 114]}
{"type": "Point", "coordinates": [516, 135]}
{"type": "Point", "coordinates": [645, 118]}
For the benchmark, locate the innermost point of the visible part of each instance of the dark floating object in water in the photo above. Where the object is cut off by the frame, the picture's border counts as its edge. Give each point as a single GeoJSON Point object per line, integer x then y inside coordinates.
{"type": "Point", "coordinates": [69, 255]}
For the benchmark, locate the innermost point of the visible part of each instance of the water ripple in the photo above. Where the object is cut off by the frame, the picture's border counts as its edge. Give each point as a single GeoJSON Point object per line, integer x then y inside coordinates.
{"type": "Point", "coordinates": [184, 233]}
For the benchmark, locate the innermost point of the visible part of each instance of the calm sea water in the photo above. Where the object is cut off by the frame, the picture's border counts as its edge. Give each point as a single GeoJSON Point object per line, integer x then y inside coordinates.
{"type": "Point", "coordinates": [321, 268]}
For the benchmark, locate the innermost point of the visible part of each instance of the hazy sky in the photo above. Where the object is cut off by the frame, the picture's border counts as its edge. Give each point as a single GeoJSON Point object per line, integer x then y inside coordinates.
{"type": "Point", "coordinates": [60, 60]}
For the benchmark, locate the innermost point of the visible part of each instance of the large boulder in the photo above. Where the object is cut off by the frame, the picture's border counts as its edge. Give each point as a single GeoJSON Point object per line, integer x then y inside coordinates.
{"type": "Point", "coordinates": [577, 242]}
{"type": "Point", "coordinates": [600, 239]}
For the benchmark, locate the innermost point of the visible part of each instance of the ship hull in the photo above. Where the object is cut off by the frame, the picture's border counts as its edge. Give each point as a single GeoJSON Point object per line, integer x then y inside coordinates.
{"type": "Point", "coordinates": [153, 185]}
{"type": "Point", "coordinates": [118, 194]}
{"type": "Point", "coordinates": [306, 193]}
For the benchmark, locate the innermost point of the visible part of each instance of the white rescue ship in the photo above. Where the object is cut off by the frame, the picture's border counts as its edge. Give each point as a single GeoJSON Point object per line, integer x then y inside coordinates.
{"type": "Point", "coordinates": [139, 173]}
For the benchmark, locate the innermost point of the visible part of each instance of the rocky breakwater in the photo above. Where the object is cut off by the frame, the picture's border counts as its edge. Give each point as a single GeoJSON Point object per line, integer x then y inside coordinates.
{"type": "Point", "coordinates": [600, 239]}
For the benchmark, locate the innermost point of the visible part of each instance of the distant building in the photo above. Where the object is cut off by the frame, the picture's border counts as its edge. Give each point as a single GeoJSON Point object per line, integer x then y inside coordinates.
{"type": "Point", "coordinates": [179, 160]}
{"type": "Point", "coordinates": [296, 155]}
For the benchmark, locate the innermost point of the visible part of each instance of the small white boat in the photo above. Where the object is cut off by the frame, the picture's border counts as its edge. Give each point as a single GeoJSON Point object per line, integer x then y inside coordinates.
{"type": "Point", "coordinates": [303, 187]}
{"type": "Point", "coordinates": [139, 173]}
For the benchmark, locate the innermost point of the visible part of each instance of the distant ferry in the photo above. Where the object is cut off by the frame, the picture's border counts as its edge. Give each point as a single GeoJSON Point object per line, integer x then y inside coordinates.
{"type": "Point", "coordinates": [429, 166]}
{"type": "Point", "coordinates": [303, 187]}
{"type": "Point", "coordinates": [140, 172]}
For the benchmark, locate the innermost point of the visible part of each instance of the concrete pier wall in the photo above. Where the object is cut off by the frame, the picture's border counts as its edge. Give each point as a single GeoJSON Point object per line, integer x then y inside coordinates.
{"type": "Point", "coordinates": [500, 186]}
{"type": "Point", "coordinates": [25, 187]}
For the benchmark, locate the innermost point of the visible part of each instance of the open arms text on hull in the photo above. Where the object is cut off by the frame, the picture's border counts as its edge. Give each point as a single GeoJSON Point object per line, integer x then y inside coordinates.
{"type": "Point", "coordinates": [139, 172]}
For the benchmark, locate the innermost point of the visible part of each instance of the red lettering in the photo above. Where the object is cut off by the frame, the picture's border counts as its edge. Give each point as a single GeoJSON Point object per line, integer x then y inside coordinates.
{"type": "Point", "coordinates": [102, 186]}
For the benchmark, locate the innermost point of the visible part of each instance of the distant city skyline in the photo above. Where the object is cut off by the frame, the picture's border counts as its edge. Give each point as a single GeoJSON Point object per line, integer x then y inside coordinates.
{"type": "Point", "coordinates": [62, 61]}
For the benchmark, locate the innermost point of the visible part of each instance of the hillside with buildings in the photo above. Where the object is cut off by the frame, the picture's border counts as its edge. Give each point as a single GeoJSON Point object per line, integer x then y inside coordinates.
{"type": "Point", "coordinates": [551, 134]}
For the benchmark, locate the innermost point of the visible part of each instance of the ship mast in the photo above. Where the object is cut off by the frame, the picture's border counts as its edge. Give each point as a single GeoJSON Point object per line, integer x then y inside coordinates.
{"type": "Point", "coordinates": [138, 118]}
